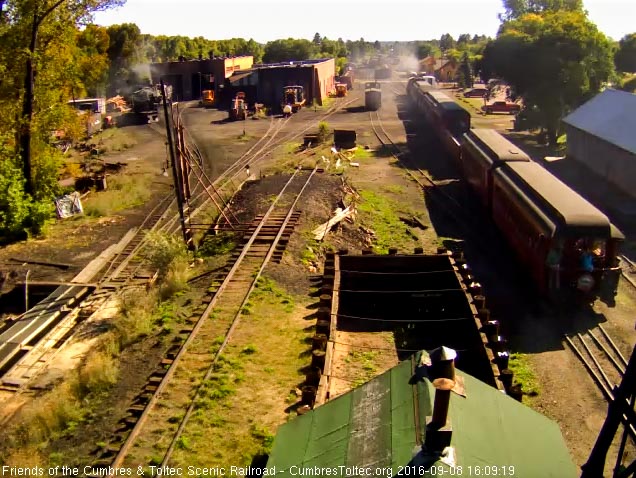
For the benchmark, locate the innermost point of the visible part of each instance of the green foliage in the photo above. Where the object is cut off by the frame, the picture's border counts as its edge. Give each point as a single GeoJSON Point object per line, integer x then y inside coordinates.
{"type": "Point", "coordinates": [382, 215]}
{"type": "Point", "coordinates": [289, 49]}
{"type": "Point", "coordinates": [19, 212]}
{"type": "Point", "coordinates": [517, 8]}
{"type": "Point", "coordinates": [566, 61]}
{"type": "Point", "coordinates": [162, 250]}
{"type": "Point", "coordinates": [625, 56]}
{"type": "Point", "coordinates": [465, 79]}
{"type": "Point", "coordinates": [446, 42]}
{"type": "Point", "coordinates": [214, 245]}
{"type": "Point", "coordinates": [323, 131]}
{"type": "Point", "coordinates": [264, 436]}
{"type": "Point", "coordinates": [523, 373]}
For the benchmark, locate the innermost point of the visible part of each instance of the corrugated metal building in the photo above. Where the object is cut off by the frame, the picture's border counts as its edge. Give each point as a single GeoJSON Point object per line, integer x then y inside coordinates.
{"type": "Point", "coordinates": [602, 135]}
{"type": "Point", "coordinates": [317, 77]}
{"type": "Point", "coordinates": [381, 426]}
{"type": "Point", "coordinates": [189, 77]}
{"type": "Point", "coordinates": [262, 83]}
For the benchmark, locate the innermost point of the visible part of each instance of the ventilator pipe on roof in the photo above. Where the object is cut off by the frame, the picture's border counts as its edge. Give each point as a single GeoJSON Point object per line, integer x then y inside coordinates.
{"type": "Point", "coordinates": [442, 374]}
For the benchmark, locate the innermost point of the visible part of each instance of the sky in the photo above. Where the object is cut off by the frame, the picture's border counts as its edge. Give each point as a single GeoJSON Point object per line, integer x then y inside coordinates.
{"type": "Point", "coordinates": [398, 20]}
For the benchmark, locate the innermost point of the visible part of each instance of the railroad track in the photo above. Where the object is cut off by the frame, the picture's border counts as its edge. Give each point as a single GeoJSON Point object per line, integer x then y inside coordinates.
{"type": "Point", "coordinates": [603, 361]}
{"type": "Point", "coordinates": [126, 266]}
{"type": "Point", "coordinates": [628, 270]}
{"type": "Point", "coordinates": [225, 185]}
{"type": "Point", "coordinates": [453, 208]}
{"type": "Point", "coordinates": [191, 362]}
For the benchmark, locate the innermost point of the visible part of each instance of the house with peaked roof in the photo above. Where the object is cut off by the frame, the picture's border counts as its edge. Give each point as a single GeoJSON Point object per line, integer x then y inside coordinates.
{"type": "Point", "coordinates": [415, 419]}
{"type": "Point", "coordinates": [442, 68]}
{"type": "Point", "coordinates": [601, 135]}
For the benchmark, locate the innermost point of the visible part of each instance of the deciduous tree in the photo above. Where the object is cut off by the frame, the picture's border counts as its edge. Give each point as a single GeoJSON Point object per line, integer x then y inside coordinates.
{"type": "Point", "coordinates": [517, 8]}
{"type": "Point", "coordinates": [625, 56]}
{"type": "Point", "coordinates": [554, 61]}
{"type": "Point", "coordinates": [30, 16]}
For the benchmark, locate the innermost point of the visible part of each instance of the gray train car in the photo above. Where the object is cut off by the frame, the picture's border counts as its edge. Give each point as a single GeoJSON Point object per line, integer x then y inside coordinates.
{"type": "Point", "coordinates": [372, 96]}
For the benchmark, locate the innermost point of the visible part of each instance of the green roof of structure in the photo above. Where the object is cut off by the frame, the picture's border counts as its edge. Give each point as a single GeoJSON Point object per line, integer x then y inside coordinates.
{"type": "Point", "coordinates": [380, 426]}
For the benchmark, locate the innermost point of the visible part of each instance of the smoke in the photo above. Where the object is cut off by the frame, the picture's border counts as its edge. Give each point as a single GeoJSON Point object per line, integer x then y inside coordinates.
{"type": "Point", "coordinates": [142, 71]}
{"type": "Point", "coordinates": [409, 63]}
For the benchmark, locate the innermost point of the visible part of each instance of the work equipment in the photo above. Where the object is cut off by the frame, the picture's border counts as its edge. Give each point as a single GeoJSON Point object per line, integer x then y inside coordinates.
{"type": "Point", "coordinates": [207, 98]}
{"type": "Point", "coordinates": [238, 109]}
{"type": "Point", "coordinates": [295, 96]}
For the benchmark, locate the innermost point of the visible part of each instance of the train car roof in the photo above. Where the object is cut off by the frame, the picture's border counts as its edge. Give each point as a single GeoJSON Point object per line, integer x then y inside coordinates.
{"type": "Point", "coordinates": [498, 147]}
{"type": "Point", "coordinates": [445, 102]}
{"type": "Point", "coordinates": [556, 197]}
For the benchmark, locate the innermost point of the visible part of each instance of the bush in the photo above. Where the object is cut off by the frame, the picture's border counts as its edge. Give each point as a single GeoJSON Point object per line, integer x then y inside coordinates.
{"type": "Point", "coordinates": [21, 213]}
{"type": "Point", "coordinates": [323, 131]}
{"type": "Point", "coordinates": [99, 373]}
{"type": "Point", "coordinates": [162, 250]}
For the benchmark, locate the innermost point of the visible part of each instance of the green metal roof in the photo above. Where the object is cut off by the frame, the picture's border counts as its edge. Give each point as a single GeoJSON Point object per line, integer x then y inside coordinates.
{"type": "Point", "coordinates": [381, 425]}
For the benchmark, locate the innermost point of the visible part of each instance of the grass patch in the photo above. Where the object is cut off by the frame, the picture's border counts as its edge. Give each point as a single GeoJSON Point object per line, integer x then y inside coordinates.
{"type": "Point", "coordinates": [381, 215]}
{"type": "Point", "coordinates": [114, 139]}
{"type": "Point", "coordinates": [394, 189]}
{"type": "Point", "coordinates": [523, 374]}
{"type": "Point", "coordinates": [216, 245]}
{"type": "Point", "coordinates": [124, 192]}
{"type": "Point", "coordinates": [245, 399]}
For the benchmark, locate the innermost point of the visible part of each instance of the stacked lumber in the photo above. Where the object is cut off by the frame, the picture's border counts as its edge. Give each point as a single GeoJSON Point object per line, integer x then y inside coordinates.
{"type": "Point", "coordinates": [117, 103]}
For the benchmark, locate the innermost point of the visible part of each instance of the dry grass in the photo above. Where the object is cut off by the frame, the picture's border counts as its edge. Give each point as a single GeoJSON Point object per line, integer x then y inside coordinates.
{"type": "Point", "coordinates": [59, 412]}
{"type": "Point", "coordinates": [136, 319]}
{"type": "Point", "coordinates": [124, 192]}
{"type": "Point", "coordinates": [115, 139]}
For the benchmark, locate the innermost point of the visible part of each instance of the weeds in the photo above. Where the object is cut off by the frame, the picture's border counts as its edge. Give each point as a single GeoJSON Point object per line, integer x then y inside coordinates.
{"type": "Point", "coordinates": [323, 131]}
{"type": "Point", "coordinates": [215, 245]}
{"type": "Point", "coordinates": [124, 193]}
{"type": "Point", "coordinates": [523, 374]}
{"type": "Point", "coordinates": [264, 436]}
{"type": "Point", "coordinates": [382, 215]}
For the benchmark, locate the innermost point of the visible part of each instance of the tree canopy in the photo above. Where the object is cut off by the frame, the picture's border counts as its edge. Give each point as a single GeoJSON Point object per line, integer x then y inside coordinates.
{"type": "Point", "coordinates": [43, 60]}
{"type": "Point", "coordinates": [554, 61]}
{"type": "Point", "coordinates": [625, 56]}
{"type": "Point", "coordinates": [517, 8]}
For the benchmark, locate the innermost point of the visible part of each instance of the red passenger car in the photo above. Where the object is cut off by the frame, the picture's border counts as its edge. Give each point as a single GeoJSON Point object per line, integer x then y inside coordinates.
{"type": "Point", "coordinates": [484, 150]}
{"type": "Point", "coordinates": [555, 232]}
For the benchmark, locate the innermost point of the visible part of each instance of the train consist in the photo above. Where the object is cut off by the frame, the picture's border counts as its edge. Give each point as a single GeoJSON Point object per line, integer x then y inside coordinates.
{"type": "Point", "coordinates": [372, 95]}
{"type": "Point", "coordinates": [569, 247]}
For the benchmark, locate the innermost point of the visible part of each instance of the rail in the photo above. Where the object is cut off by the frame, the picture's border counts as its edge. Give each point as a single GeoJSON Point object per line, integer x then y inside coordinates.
{"type": "Point", "coordinates": [604, 363]}
{"type": "Point", "coordinates": [239, 283]}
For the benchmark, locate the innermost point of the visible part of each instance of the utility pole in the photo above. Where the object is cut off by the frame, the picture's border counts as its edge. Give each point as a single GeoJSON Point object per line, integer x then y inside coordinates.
{"type": "Point", "coordinates": [176, 177]}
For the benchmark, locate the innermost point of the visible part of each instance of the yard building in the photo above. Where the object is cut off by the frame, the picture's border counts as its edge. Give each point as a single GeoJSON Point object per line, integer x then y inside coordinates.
{"type": "Point", "coordinates": [400, 421]}
{"type": "Point", "coordinates": [601, 136]}
{"type": "Point", "coordinates": [317, 77]}
{"type": "Point", "coordinates": [190, 77]}
{"type": "Point", "coordinates": [441, 68]}
{"type": "Point", "coordinates": [261, 83]}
